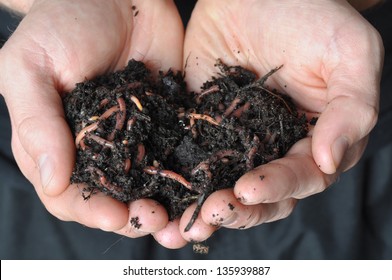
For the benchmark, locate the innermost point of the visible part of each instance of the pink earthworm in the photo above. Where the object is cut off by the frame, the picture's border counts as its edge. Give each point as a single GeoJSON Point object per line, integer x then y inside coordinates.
{"type": "Point", "coordinates": [168, 174]}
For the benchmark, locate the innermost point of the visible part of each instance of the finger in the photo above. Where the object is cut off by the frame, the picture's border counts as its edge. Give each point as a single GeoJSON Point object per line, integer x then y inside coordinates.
{"type": "Point", "coordinates": [40, 131]}
{"type": "Point", "coordinates": [346, 122]}
{"type": "Point", "coordinates": [222, 208]}
{"type": "Point", "coordinates": [352, 95]}
{"type": "Point", "coordinates": [294, 176]}
{"type": "Point", "coordinates": [158, 34]}
{"type": "Point", "coordinates": [145, 216]}
{"type": "Point", "coordinates": [98, 211]}
{"type": "Point", "coordinates": [199, 231]}
{"type": "Point", "coordinates": [170, 236]}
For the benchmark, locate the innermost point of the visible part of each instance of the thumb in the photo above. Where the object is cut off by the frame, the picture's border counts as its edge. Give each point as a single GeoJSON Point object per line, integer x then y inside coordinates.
{"type": "Point", "coordinates": [341, 133]}
{"type": "Point", "coordinates": [46, 140]}
{"type": "Point", "coordinates": [352, 71]}
{"type": "Point", "coordinates": [41, 139]}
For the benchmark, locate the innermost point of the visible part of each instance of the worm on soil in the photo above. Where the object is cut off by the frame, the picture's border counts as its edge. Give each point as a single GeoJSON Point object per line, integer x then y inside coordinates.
{"type": "Point", "coordinates": [168, 174]}
{"type": "Point", "coordinates": [203, 117]}
{"type": "Point", "coordinates": [101, 141]}
{"type": "Point", "coordinates": [116, 190]}
{"type": "Point", "coordinates": [120, 118]}
{"type": "Point", "coordinates": [205, 92]}
{"type": "Point", "coordinates": [232, 107]}
{"type": "Point", "coordinates": [135, 100]}
{"type": "Point", "coordinates": [141, 152]}
{"type": "Point", "coordinates": [252, 153]}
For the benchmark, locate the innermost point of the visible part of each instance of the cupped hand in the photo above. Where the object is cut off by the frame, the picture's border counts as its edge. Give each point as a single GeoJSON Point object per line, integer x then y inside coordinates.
{"type": "Point", "coordinates": [60, 43]}
{"type": "Point", "coordinates": [332, 60]}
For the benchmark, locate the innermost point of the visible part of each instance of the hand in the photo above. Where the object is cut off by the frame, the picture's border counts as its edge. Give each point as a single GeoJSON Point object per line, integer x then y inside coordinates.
{"type": "Point", "coordinates": [332, 61]}
{"type": "Point", "coordinates": [57, 44]}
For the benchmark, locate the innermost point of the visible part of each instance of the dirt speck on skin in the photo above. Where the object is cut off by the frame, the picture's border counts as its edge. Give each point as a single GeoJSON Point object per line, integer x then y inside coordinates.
{"type": "Point", "coordinates": [135, 222]}
{"type": "Point", "coordinates": [231, 206]}
{"type": "Point", "coordinates": [144, 137]}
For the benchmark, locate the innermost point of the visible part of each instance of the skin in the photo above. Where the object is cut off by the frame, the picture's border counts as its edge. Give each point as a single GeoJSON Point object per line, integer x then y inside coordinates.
{"type": "Point", "coordinates": [332, 65]}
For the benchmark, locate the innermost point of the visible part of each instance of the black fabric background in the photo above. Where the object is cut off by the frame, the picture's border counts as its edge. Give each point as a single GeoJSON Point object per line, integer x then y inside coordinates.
{"type": "Point", "coordinates": [351, 220]}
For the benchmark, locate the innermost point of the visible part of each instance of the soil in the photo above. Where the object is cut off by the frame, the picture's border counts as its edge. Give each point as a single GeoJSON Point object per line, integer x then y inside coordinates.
{"type": "Point", "coordinates": [144, 137]}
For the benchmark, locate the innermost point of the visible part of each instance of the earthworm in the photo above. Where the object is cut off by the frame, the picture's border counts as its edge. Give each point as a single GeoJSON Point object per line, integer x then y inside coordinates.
{"type": "Point", "coordinates": [218, 118]}
{"type": "Point", "coordinates": [90, 128]}
{"type": "Point", "coordinates": [205, 165]}
{"type": "Point", "coordinates": [101, 141]}
{"type": "Point", "coordinates": [282, 132]}
{"type": "Point", "coordinates": [127, 165]}
{"type": "Point", "coordinates": [84, 131]}
{"type": "Point", "coordinates": [120, 118]}
{"type": "Point", "coordinates": [225, 153]}
{"type": "Point", "coordinates": [141, 152]}
{"type": "Point", "coordinates": [131, 122]}
{"type": "Point", "coordinates": [193, 128]}
{"type": "Point", "coordinates": [149, 93]}
{"type": "Point", "coordinates": [109, 112]}
{"type": "Point", "coordinates": [103, 103]}
{"type": "Point", "coordinates": [252, 153]}
{"type": "Point", "coordinates": [116, 190]}
{"type": "Point", "coordinates": [135, 100]}
{"type": "Point", "coordinates": [232, 107]}
{"type": "Point", "coordinates": [168, 174]}
{"type": "Point", "coordinates": [207, 91]}
{"type": "Point", "coordinates": [93, 118]}
{"type": "Point", "coordinates": [133, 85]}
{"type": "Point", "coordinates": [82, 145]}
{"type": "Point", "coordinates": [127, 161]}
{"type": "Point", "coordinates": [237, 113]}
{"type": "Point", "coordinates": [203, 117]}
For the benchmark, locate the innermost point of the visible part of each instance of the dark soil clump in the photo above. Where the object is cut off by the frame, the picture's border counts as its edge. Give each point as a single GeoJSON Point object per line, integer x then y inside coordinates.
{"type": "Point", "coordinates": [144, 137]}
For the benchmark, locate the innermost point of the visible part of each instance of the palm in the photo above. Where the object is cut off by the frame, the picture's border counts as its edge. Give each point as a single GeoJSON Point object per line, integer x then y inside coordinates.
{"type": "Point", "coordinates": [85, 40]}
{"type": "Point", "coordinates": [262, 35]}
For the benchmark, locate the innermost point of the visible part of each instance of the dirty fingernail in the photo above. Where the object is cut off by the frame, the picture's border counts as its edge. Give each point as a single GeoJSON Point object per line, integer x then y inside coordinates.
{"type": "Point", "coordinates": [46, 170]}
{"type": "Point", "coordinates": [339, 148]}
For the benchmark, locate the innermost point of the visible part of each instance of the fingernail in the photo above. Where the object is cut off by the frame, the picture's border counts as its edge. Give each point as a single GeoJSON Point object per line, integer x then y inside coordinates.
{"type": "Point", "coordinates": [46, 170]}
{"type": "Point", "coordinates": [339, 148]}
